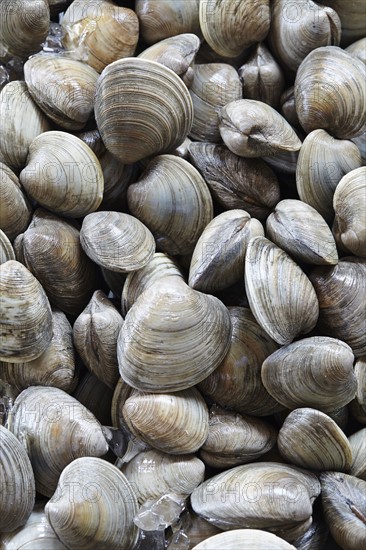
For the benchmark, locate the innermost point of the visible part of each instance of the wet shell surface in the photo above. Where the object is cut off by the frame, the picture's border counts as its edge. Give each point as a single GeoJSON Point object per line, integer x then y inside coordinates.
{"type": "Point", "coordinates": [15, 210]}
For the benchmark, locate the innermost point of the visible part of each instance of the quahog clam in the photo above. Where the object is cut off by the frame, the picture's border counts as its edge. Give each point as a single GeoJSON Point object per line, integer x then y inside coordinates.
{"type": "Point", "coordinates": [15, 210]}
{"type": "Point", "coordinates": [248, 539]}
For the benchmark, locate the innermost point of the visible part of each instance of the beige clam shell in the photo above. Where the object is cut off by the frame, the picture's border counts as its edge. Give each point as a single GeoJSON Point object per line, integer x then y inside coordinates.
{"type": "Point", "coordinates": [101, 508]}
{"type": "Point", "coordinates": [160, 112]}
{"type": "Point", "coordinates": [15, 210]}
{"type": "Point", "coordinates": [6, 250]}
{"type": "Point", "coordinates": [25, 314]}
{"type": "Point", "coordinates": [358, 49]}
{"type": "Point", "coordinates": [358, 405]}
{"type": "Point", "coordinates": [358, 447]}
{"type": "Point", "coordinates": [280, 295]}
{"type": "Point", "coordinates": [351, 19]}
{"type": "Point", "coordinates": [245, 539]}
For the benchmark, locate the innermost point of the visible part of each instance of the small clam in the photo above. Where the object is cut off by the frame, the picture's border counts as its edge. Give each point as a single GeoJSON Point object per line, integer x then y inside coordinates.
{"type": "Point", "coordinates": [6, 250]}
{"type": "Point", "coordinates": [251, 128]}
{"type": "Point", "coordinates": [358, 49]}
{"type": "Point", "coordinates": [357, 442]}
{"type": "Point", "coordinates": [245, 539]}
{"type": "Point", "coordinates": [15, 211]}
{"type": "Point", "coordinates": [25, 314]}
{"type": "Point", "coordinates": [101, 507]}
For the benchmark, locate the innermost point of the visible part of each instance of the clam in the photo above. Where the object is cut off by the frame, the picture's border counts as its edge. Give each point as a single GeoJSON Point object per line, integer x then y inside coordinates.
{"type": "Point", "coordinates": [25, 314]}
{"type": "Point", "coordinates": [6, 250]}
{"type": "Point", "coordinates": [177, 53]}
{"type": "Point", "coordinates": [288, 107]}
{"type": "Point", "coordinates": [16, 106]}
{"type": "Point", "coordinates": [349, 203]}
{"type": "Point", "coordinates": [218, 258]}
{"type": "Point", "coordinates": [236, 383]}
{"type": "Point", "coordinates": [297, 29]}
{"type": "Point", "coordinates": [153, 474]}
{"type": "Point", "coordinates": [121, 392]}
{"type": "Point", "coordinates": [344, 505]}
{"type": "Point", "coordinates": [182, 150]}
{"type": "Point", "coordinates": [360, 141]}
{"type": "Point", "coordinates": [101, 507]}
{"type": "Point", "coordinates": [358, 405]}
{"type": "Point", "coordinates": [251, 128]}
{"type": "Point", "coordinates": [93, 139]}
{"type": "Point", "coordinates": [95, 337]}
{"type": "Point", "coordinates": [341, 292]}
{"type": "Point", "coordinates": [17, 482]}
{"type": "Point", "coordinates": [162, 346]}
{"type": "Point", "coordinates": [63, 88]}
{"type": "Point", "coordinates": [351, 20]}
{"type": "Point", "coordinates": [330, 93]}
{"type": "Point", "coordinates": [63, 174]}
{"type": "Point", "coordinates": [358, 49]}
{"type": "Point", "coordinates": [358, 447]}
{"type": "Point", "coordinates": [160, 112]}
{"type": "Point", "coordinates": [56, 429]}
{"type": "Point", "coordinates": [301, 231]}
{"type": "Point", "coordinates": [262, 77]}
{"type": "Point", "coordinates": [173, 201]}
{"type": "Point", "coordinates": [323, 161]}
{"type": "Point", "coordinates": [174, 423]}
{"type": "Point", "coordinates": [284, 164]}
{"type": "Point", "coordinates": [214, 85]}
{"type": "Point", "coordinates": [116, 241]}
{"type": "Point", "coordinates": [230, 27]}
{"type": "Point", "coordinates": [235, 182]}
{"type": "Point", "coordinates": [15, 210]}
{"type": "Point", "coordinates": [51, 250]}
{"type": "Point", "coordinates": [299, 442]}
{"type": "Point", "coordinates": [245, 539]}
{"type": "Point", "coordinates": [96, 397]}
{"type": "Point", "coordinates": [280, 295]}
{"type": "Point", "coordinates": [55, 367]}
{"type": "Point", "coordinates": [314, 372]}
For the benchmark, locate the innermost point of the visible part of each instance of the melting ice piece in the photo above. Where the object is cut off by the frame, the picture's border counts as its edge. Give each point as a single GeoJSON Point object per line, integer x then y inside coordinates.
{"type": "Point", "coordinates": [158, 514]}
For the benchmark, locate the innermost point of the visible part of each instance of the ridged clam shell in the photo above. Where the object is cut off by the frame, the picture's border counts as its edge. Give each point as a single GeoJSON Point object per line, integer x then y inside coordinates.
{"type": "Point", "coordinates": [17, 482]}
{"type": "Point", "coordinates": [101, 509]}
{"type": "Point", "coordinates": [116, 241]}
{"type": "Point", "coordinates": [314, 372]}
{"type": "Point", "coordinates": [121, 392]}
{"type": "Point", "coordinates": [351, 20]}
{"type": "Point", "coordinates": [301, 231]}
{"type": "Point", "coordinates": [245, 539]}
{"type": "Point", "coordinates": [358, 447]}
{"type": "Point", "coordinates": [187, 323]}
{"type": "Point", "coordinates": [63, 174]}
{"type": "Point", "coordinates": [218, 258]}
{"type": "Point", "coordinates": [173, 201]}
{"type": "Point", "coordinates": [250, 128]}
{"type": "Point", "coordinates": [160, 112]}
{"type": "Point", "coordinates": [358, 49]}
{"type": "Point", "coordinates": [6, 250]}
{"type": "Point", "coordinates": [153, 474]}
{"type": "Point", "coordinates": [174, 423]}
{"type": "Point", "coordinates": [15, 210]}
{"type": "Point", "coordinates": [330, 93]}
{"type": "Point", "coordinates": [280, 295]}
{"type": "Point", "coordinates": [349, 203]}
{"type": "Point", "coordinates": [25, 314]}
{"type": "Point", "coordinates": [358, 406]}
{"type": "Point", "coordinates": [299, 442]}
{"type": "Point", "coordinates": [57, 429]}
{"type": "Point", "coordinates": [236, 182]}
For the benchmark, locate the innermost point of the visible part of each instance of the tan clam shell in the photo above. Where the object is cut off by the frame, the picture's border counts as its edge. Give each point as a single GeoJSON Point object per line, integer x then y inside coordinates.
{"type": "Point", "coordinates": [236, 182]}
{"type": "Point", "coordinates": [6, 250]}
{"type": "Point", "coordinates": [280, 295]}
{"type": "Point", "coordinates": [175, 214]}
{"type": "Point", "coordinates": [322, 162]}
{"type": "Point", "coordinates": [349, 203]}
{"type": "Point", "coordinates": [188, 323]}
{"type": "Point", "coordinates": [358, 49]}
{"type": "Point", "coordinates": [214, 85]}
{"type": "Point", "coordinates": [153, 474]}
{"type": "Point", "coordinates": [95, 335]}
{"type": "Point", "coordinates": [63, 88]}
{"type": "Point", "coordinates": [301, 231]}
{"type": "Point", "coordinates": [160, 112]}
{"type": "Point", "coordinates": [314, 372]}
{"type": "Point", "coordinates": [245, 539]}
{"type": "Point", "coordinates": [360, 141]}
{"type": "Point", "coordinates": [16, 106]}
{"type": "Point", "coordinates": [358, 405]}
{"type": "Point", "coordinates": [55, 367]}
{"type": "Point", "coordinates": [57, 429]}
{"type": "Point", "coordinates": [352, 20]}
{"type": "Point", "coordinates": [15, 210]}
{"type": "Point", "coordinates": [121, 392]}
{"type": "Point", "coordinates": [331, 72]}
{"type": "Point", "coordinates": [101, 509]}
{"type": "Point", "coordinates": [25, 314]}
{"type": "Point", "coordinates": [17, 482]}
{"type": "Point", "coordinates": [251, 128]}
{"type": "Point", "coordinates": [358, 447]}
{"type": "Point", "coordinates": [116, 241]}
{"type": "Point", "coordinates": [236, 383]}
{"type": "Point", "coordinates": [299, 442]}
{"type": "Point", "coordinates": [100, 32]}
{"type": "Point", "coordinates": [341, 292]}
{"type": "Point", "coordinates": [63, 174]}
{"type": "Point", "coordinates": [96, 397]}
{"type": "Point", "coordinates": [51, 245]}
{"type": "Point", "coordinates": [218, 258]}
{"type": "Point", "coordinates": [230, 27]}
{"type": "Point", "coordinates": [174, 423]}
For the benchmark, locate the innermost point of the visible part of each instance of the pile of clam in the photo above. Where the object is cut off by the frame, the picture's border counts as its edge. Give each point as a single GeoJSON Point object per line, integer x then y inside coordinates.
{"type": "Point", "coordinates": [183, 275]}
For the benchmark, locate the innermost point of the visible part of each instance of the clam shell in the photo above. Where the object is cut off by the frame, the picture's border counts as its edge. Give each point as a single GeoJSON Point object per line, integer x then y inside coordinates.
{"type": "Point", "coordinates": [351, 20]}
{"type": "Point", "coordinates": [248, 539]}
{"type": "Point", "coordinates": [299, 442]}
{"type": "Point", "coordinates": [15, 211]}
{"type": "Point", "coordinates": [358, 406]}
{"type": "Point", "coordinates": [358, 447]}
{"type": "Point", "coordinates": [314, 372]}
{"type": "Point", "coordinates": [280, 295]}
{"type": "Point", "coordinates": [25, 314]}
{"type": "Point", "coordinates": [314, 538]}
{"type": "Point", "coordinates": [358, 49]}
{"type": "Point", "coordinates": [360, 142]}
{"type": "Point", "coordinates": [160, 112]}
{"type": "Point", "coordinates": [6, 250]}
